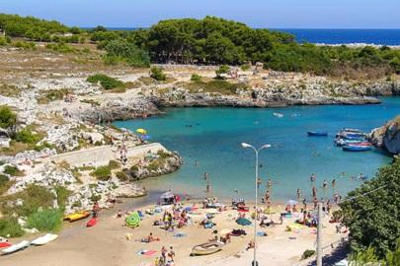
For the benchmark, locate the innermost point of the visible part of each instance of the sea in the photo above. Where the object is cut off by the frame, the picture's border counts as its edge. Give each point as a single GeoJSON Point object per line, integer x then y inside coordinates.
{"type": "Point", "coordinates": [389, 37]}
{"type": "Point", "coordinates": [209, 139]}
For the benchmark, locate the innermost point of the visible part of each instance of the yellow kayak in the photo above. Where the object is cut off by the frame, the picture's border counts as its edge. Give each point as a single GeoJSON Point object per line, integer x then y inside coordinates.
{"type": "Point", "coordinates": [77, 216]}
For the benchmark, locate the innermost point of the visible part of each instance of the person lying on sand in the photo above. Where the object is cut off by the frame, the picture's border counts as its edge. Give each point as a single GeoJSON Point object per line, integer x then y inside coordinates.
{"type": "Point", "coordinates": [150, 238]}
{"type": "Point", "coordinates": [250, 245]}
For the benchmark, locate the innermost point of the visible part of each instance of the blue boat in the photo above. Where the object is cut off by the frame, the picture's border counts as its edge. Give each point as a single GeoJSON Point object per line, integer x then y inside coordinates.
{"type": "Point", "coordinates": [317, 133]}
{"type": "Point", "coordinates": [356, 148]}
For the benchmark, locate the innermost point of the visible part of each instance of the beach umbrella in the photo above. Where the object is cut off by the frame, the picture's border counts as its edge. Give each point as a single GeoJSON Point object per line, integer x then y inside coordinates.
{"type": "Point", "coordinates": [141, 131]}
{"type": "Point", "coordinates": [291, 202]}
{"type": "Point", "coordinates": [243, 221]}
{"type": "Point", "coordinates": [133, 220]}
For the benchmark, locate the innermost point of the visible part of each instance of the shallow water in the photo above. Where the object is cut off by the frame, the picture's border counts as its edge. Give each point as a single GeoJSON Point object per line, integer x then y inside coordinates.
{"type": "Point", "coordinates": [212, 144]}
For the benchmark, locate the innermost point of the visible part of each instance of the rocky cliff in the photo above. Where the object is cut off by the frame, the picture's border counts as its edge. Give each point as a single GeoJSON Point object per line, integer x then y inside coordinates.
{"type": "Point", "coordinates": [388, 136]}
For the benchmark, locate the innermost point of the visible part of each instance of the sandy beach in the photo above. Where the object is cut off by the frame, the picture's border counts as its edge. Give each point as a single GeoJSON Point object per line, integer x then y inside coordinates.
{"type": "Point", "coordinates": [107, 243]}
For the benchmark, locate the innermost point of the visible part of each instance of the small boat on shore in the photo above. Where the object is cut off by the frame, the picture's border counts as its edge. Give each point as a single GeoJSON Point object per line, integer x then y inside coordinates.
{"type": "Point", "coordinates": [356, 148]}
{"type": "Point", "coordinates": [317, 133]}
{"type": "Point", "coordinates": [17, 247]}
{"type": "Point", "coordinates": [207, 248]}
{"type": "Point", "coordinates": [5, 244]}
{"type": "Point", "coordinates": [77, 216]}
{"type": "Point", "coordinates": [44, 239]}
{"type": "Point", "coordinates": [91, 222]}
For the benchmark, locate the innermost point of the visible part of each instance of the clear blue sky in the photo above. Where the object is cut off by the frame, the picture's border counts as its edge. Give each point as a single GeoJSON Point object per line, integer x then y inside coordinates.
{"type": "Point", "coordinates": [256, 13]}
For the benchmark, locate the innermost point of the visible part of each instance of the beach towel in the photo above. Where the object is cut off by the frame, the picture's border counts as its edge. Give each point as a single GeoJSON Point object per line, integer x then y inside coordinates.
{"type": "Point", "coordinates": [146, 252]}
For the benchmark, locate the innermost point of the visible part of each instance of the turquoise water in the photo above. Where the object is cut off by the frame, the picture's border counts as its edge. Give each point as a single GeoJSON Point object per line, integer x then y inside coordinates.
{"type": "Point", "coordinates": [214, 140]}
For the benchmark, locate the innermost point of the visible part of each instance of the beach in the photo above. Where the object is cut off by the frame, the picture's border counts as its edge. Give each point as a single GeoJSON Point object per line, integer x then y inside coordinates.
{"type": "Point", "coordinates": [111, 243]}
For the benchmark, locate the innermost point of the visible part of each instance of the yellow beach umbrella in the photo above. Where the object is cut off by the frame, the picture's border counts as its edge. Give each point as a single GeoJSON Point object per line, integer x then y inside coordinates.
{"type": "Point", "coordinates": [141, 131]}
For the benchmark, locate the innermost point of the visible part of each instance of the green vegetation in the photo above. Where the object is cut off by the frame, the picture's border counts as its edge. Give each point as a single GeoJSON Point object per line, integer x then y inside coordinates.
{"type": "Point", "coordinates": [106, 82]}
{"type": "Point", "coordinates": [157, 74]}
{"type": "Point", "coordinates": [102, 173]}
{"type": "Point", "coordinates": [25, 45]}
{"type": "Point", "coordinates": [121, 175]}
{"type": "Point", "coordinates": [114, 164]}
{"type": "Point", "coordinates": [13, 171]}
{"type": "Point", "coordinates": [33, 197]}
{"type": "Point", "coordinates": [373, 219]}
{"type": "Point", "coordinates": [307, 253]}
{"type": "Point", "coordinates": [61, 48]}
{"type": "Point", "coordinates": [122, 50]}
{"type": "Point", "coordinates": [9, 227]}
{"type": "Point", "coordinates": [27, 136]}
{"type": "Point", "coordinates": [224, 69]}
{"type": "Point", "coordinates": [62, 196]}
{"type": "Point", "coordinates": [215, 86]}
{"type": "Point", "coordinates": [52, 95]}
{"type": "Point", "coordinates": [8, 118]}
{"type": "Point", "coordinates": [46, 220]}
{"type": "Point", "coordinates": [195, 78]}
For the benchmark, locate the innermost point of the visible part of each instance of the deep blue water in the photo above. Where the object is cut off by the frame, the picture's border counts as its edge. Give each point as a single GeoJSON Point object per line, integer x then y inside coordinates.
{"type": "Point", "coordinates": [216, 133]}
{"type": "Point", "coordinates": [339, 36]}
{"type": "Point", "coordinates": [347, 36]}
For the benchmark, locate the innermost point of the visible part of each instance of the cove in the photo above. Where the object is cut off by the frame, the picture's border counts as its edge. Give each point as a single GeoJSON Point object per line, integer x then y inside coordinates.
{"type": "Point", "coordinates": [209, 140]}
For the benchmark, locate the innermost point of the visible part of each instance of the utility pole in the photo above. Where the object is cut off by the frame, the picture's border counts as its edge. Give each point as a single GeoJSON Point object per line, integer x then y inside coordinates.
{"type": "Point", "coordinates": [319, 235]}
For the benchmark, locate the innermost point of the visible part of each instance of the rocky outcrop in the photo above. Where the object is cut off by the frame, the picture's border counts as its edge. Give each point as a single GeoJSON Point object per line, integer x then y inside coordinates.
{"type": "Point", "coordinates": [165, 163]}
{"type": "Point", "coordinates": [388, 136]}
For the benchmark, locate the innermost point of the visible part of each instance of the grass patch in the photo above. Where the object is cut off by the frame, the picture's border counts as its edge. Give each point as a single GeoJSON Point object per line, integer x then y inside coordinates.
{"type": "Point", "coordinates": [133, 85]}
{"type": "Point", "coordinates": [105, 81]}
{"type": "Point", "coordinates": [9, 90]}
{"type": "Point", "coordinates": [5, 184]}
{"type": "Point", "coordinates": [62, 196]}
{"type": "Point", "coordinates": [9, 227]}
{"type": "Point", "coordinates": [33, 197]}
{"type": "Point", "coordinates": [91, 102]}
{"type": "Point", "coordinates": [215, 86]}
{"type": "Point", "coordinates": [147, 80]}
{"type": "Point", "coordinates": [27, 136]}
{"type": "Point", "coordinates": [61, 48]}
{"type": "Point", "coordinates": [52, 95]}
{"type": "Point", "coordinates": [102, 173]}
{"type": "Point", "coordinates": [13, 171]}
{"type": "Point", "coordinates": [43, 146]}
{"type": "Point", "coordinates": [122, 176]}
{"type": "Point", "coordinates": [47, 220]}
{"type": "Point", "coordinates": [114, 164]}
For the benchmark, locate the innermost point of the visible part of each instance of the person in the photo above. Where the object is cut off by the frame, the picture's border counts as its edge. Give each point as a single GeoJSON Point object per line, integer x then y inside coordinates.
{"type": "Point", "coordinates": [269, 183]}
{"type": "Point", "coordinates": [314, 192]}
{"type": "Point", "coordinates": [251, 245]}
{"type": "Point", "coordinates": [298, 192]}
{"type": "Point", "coordinates": [313, 178]}
{"type": "Point", "coordinates": [205, 175]}
{"type": "Point", "coordinates": [164, 254]}
{"type": "Point", "coordinates": [95, 209]}
{"type": "Point", "coordinates": [304, 204]}
{"type": "Point", "coordinates": [325, 184]}
{"type": "Point", "coordinates": [258, 182]}
{"type": "Point", "coordinates": [333, 182]}
{"type": "Point", "coordinates": [119, 214]}
{"type": "Point", "coordinates": [171, 254]}
{"type": "Point", "coordinates": [328, 206]}
{"type": "Point", "coordinates": [281, 219]}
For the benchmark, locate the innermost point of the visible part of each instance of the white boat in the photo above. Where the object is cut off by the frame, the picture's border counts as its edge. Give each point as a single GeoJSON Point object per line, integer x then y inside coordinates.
{"type": "Point", "coordinates": [14, 248]}
{"type": "Point", "coordinates": [44, 239]}
{"type": "Point", "coordinates": [277, 115]}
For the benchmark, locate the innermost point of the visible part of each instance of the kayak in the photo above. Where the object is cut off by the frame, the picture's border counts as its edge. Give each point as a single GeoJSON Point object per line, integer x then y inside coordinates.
{"type": "Point", "coordinates": [356, 148]}
{"type": "Point", "coordinates": [77, 216]}
{"type": "Point", "coordinates": [44, 239]}
{"type": "Point", "coordinates": [364, 144]}
{"type": "Point", "coordinates": [5, 244]}
{"type": "Point", "coordinates": [91, 222]}
{"type": "Point", "coordinates": [207, 248]}
{"type": "Point", "coordinates": [14, 248]}
{"type": "Point", "coordinates": [317, 133]}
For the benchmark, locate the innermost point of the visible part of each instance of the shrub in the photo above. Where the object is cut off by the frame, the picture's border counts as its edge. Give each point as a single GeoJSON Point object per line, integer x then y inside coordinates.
{"type": "Point", "coordinates": [12, 170]}
{"type": "Point", "coordinates": [222, 70]}
{"type": "Point", "coordinates": [105, 81]}
{"type": "Point", "coordinates": [157, 74]}
{"type": "Point", "coordinates": [114, 164]}
{"type": "Point", "coordinates": [195, 78]}
{"type": "Point", "coordinates": [3, 180]}
{"type": "Point", "coordinates": [245, 67]}
{"type": "Point", "coordinates": [7, 117]}
{"type": "Point", "coordinates": [43, 146]}
{"type": "Point", "coordinates": [61, 48]}
{"type": "Point", "coordinates": [102, 173]}
{"type": "Point", "coordinates": [307, 253]}
{"type": "Point", "coordinates": [122, 176]}
{"type": "Point", "coordinates": [62, 196]}
{"type": "Point", "coordinates": [46, 220]}
{"type": "Point", "coordinates": [9, 227]}
{"type": "Point", "coordinates": [27, 136]}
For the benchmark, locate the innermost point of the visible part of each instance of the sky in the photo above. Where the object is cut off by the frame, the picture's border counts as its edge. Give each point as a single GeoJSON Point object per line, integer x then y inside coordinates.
{"type": "Point", "coordinates": [255, 13]}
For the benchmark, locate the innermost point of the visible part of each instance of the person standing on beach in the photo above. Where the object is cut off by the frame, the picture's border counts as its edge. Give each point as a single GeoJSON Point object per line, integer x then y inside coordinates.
{"type": "Point", "coordinates": [164, 255]}
{"type": "Point", "coordinates": [171, 254]}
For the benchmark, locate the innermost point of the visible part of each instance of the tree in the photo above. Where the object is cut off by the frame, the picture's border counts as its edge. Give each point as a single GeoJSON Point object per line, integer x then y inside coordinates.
{"type": "Point", "coordinates": [374, 219]}
{"type": "Point", "coordinates": [128, 52]}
